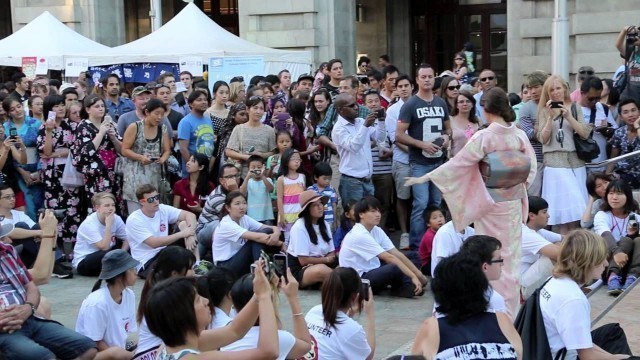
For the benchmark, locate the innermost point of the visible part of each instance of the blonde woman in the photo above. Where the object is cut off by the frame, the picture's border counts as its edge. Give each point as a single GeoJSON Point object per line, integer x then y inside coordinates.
{"type": "Point", "coordinates": [566, 310]}
{"type": "Point", "coordinates": [564, 179]}
{"type": "Point", "coordinates": [236, 93]}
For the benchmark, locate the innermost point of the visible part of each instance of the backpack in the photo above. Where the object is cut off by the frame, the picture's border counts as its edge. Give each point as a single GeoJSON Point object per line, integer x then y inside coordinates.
{"type": "Point", "coordinates": [530, 325]}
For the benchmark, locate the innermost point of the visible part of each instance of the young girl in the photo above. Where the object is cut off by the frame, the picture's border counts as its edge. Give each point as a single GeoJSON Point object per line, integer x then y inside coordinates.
{"type": "Point", "coordinates": [107, 315]}
{"type": "Point", "coordinates": [276, 109]}
{"type": "Point", "coordinates": [189, 192]}
{"type": "Point", "coordinates": [460, 68]}
{"type": "Point", "coordinates": [346, 223]}
{"type": "Point", "coordinates": [289, 186]}
{"type": "Point", "coordinates": [283, 142]}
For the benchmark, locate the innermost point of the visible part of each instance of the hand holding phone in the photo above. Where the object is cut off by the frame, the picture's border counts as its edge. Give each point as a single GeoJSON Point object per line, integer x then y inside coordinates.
{"type": "Point", "coordinates": [556, 105]}
{"type": "Point", "coordinates": [13, 133]}
{"type": "Point", "coordinates": [364, 289]}
{"type": "Point", "coordinates": [281, 262]}
{"type": "Point", "coordinates": [380, 113]}
{"type": "Point", "coordinates": [438, 142]}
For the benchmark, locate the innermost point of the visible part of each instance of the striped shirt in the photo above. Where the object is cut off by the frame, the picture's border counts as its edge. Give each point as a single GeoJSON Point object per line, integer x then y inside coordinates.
{"type": "Point", "coordinates": [13, 275]}
{"type": "Point", "coordinates": [528, 117]}
{"type": "Point", "coordinates": [290, 199]}
{"type": "Point", "coordinates": [333, 199]}
{"type": "Point", "coordinates": [212, 207]}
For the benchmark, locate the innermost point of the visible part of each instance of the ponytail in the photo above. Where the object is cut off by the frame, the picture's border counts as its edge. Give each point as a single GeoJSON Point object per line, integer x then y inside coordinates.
{"type": "Point", "coordinates": [96, 285]}
{"type": "Point", "coordinates": [337, 292]}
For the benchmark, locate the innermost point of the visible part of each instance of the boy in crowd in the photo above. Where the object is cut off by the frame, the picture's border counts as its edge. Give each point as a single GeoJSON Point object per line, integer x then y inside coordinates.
{"type": "Point", "coordinates": [447, 242]}
{"type": "Point", "coordinates": [434, 218]}
{"type": "Point", "coordinates": [322, 177]}
{"type": "Point", "coordinates": [257, 187]}
{"type": "Point", "coordinates": [148, 228]}
{"type": "Point", "coordinates": [539, 248]}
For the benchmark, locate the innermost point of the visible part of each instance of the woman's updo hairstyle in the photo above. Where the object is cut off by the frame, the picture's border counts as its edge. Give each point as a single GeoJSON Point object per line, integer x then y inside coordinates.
{"type": "Point", "coordinates": [496, 102]}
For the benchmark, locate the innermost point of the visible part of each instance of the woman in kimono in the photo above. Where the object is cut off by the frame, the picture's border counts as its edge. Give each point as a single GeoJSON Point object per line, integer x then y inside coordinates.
{"type": "Point", "coordinates": [96, 148]}
{"type": "Point", "coordinates": [495, 202]}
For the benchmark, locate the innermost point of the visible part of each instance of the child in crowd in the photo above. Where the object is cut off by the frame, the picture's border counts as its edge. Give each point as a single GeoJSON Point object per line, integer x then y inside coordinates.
{"type": "Point", "coordinates": [346, 223]}
{"type": "Point", "coordinates": [434, 219]}
{"type": "Point", "coordinates": [257, 186]}
{"type": "Point", "coordinates": [289, 186]}
{"type": "Point", "coordinates": [447, 242]}
{"type": "Point", "coordinates": [322, 176]}
{"type": "Point", "coordinates": [283, 142]}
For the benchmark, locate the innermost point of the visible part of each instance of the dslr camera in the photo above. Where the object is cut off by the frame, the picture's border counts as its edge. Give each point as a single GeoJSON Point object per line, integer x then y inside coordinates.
{"type": "Point", "coordinates": [630, 41]}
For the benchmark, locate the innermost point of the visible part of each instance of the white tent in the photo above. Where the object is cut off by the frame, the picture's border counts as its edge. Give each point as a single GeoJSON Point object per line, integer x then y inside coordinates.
{"type": "Point", "coordinates": [47, 37]}
{"type": "Point", "coordinates": [193, 33]}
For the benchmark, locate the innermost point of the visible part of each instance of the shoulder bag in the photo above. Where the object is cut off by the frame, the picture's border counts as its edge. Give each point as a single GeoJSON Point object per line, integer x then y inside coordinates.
{"type": "Point", "coordinates": [587, 149]}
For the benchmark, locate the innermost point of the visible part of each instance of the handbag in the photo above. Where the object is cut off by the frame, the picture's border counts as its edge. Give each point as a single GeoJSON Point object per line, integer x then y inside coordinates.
{"type": "Point", "coordinates": [586, 149]}
{"type": "Point", "coordinates": [71, 178]}
{"type": "Point", "coordinates": [530, 325]}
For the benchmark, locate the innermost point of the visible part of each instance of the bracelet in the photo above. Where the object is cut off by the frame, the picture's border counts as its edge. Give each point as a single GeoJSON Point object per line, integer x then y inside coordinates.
{"type": "Point", "coordinates": [298, 314]}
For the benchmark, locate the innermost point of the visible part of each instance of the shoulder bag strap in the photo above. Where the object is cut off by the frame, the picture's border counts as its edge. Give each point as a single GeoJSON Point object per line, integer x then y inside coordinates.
{"type": "Point", "coordinates": [592, 116]}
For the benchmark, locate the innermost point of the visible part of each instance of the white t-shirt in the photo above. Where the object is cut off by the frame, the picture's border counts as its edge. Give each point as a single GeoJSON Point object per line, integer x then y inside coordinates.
{"type": "Point", "coordinates": [360, 248]}
{"type": "Point", "coordinates": [220, 319]}
{"type": "Point", "coordinates": [301, 245]}
{"type": "Point", "coordinates": [286, 341]}
{"type": "Point", "coordinates": [227, 237]}
{"type": "Point", "coordinates": [601, 119]}
{"type": "Point", "coordinates": [391, 123]}
{"type": "Point", "coordinates": [146, 339]}
{"type": "Point", "coordinates": [18, 216]}
{"type": "Point", "coordinates": [140, 227]}
{"type": "Point", "coordinates": [567, 316]}
{"type": "Point", "coordinates": [447, 242]}
{"type": "Point", "coordinates": [605, 221]}
{"type": "Point", "coordinates": [347, 340]}
{"type": "Point", "coordinates": [101, 318]}
{"type": "Point", "coordinates": [90, 232]}
{"type": "Point", "coordinates": [533, 242]}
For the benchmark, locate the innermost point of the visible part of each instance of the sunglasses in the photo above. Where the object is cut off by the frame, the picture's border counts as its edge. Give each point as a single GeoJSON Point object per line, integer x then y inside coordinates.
{"type": "Point", "coordinates": [593, 98]}
{"type": "Point", "coordinates": [451, 88]}
{"type": "Point", "coordinates": [488, 78]}
{"type": "Point", "coordinates": [152, 199]}
{"type": "Point", "coordinates": [496, 261]}
{"type": "Point", "coordinates": [586, 72]}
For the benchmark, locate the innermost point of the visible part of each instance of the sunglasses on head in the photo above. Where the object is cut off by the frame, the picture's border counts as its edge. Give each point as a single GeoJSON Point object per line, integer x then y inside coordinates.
{"type": "Point", "coordinates": [488, 78]}
{"type": "Point", "coordinates": [453, 87]}
{"type": "Point", "coordinates": [585, 72]}
{"type": "Point", "coordinates": [152, 199]}
{"type": "Point", "coordinates": [256, 97]}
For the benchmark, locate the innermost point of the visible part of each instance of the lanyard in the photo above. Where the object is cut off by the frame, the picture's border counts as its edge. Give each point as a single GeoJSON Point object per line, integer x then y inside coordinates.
{"type": "Point", "coordinates": [616, 224]}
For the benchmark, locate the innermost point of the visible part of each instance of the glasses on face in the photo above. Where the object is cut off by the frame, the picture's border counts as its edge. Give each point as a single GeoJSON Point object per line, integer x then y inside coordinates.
{"type": "Point", "coordinates": [454, 87]}
{"type": "Point", "coordinates": [488, 78]}
{"type": "Point", "coordinates": [228, 177]}
{"type": "Point", "coordinates": [593, 98]}
{"type": "Point", "coordinates": [586, 72]}
{"type": "Point", "coordinates": [496, 261]}
{"type": "Point", "coordinates": [152, 199]}
{"type": "Point", "coordinates": [8, 197]}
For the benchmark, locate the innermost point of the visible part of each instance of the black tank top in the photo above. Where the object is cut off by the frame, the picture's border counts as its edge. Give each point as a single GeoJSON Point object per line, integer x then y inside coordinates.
{"type": "Point", "coordinates": [478, 337]}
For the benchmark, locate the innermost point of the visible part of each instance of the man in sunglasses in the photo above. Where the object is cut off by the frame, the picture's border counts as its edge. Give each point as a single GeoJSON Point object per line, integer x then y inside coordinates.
{"type": "Point", "coordinates": [148, 228]}
{"type": "Point", "coordinates": [487, 80]}
{"type": "Point", "coordinates": [596, 115]}
{"type": "Point", "coordinates": [583, 73]}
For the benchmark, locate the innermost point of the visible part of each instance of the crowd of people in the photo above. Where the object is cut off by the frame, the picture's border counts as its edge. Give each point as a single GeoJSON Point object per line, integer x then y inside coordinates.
{"type": "Point", "coordinates": [221, 198]}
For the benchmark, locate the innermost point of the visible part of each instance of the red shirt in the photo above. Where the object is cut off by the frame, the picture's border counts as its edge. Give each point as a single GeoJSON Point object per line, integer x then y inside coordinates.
{"type": "Point", "coordinates": [181, 188]}
{"type": "Point", "coordinates": [426, 246]}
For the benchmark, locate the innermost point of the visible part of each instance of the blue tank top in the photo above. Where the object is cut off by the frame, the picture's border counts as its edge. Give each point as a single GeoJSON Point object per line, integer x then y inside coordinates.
{"type": "Point", "coordinates": [476, 338]}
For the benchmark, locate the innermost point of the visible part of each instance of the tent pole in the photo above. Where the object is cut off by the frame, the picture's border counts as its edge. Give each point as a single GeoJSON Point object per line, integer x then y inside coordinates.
{"type": "Point", "coordinates": [155, 14]}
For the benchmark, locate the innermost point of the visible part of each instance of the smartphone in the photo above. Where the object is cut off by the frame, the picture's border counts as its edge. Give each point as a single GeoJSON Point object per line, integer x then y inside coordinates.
{"type": "Point", "coordinates": [107, 118]}
{"type": "Point", "coordinates": [364, 289]}
{"type": "Point", "coordinates": [251, 149]}
{"type": "Point", "coordinates": [281, 123]}
{"type": "Point", "coordinates": [51, 115]}
{"type": "Point", "coordinates": [154, 158]}
{"type": "Point", "coordinates": [253, 269]}
{"type": "Point", "coordinates": [556, 104]}
{"type": "Point", "coordinates": [13, 133]}
{"type": "Point", "coordinates": [380, 113]}
{"type": "Point", "coordinates": [281, 261]}
{"type": "Point", "coordinates": [438, 142]}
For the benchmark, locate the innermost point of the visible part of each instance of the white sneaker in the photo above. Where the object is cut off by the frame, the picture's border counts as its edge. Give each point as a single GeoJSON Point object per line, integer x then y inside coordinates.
{"type": "Point", "coordinates": [404, 241]}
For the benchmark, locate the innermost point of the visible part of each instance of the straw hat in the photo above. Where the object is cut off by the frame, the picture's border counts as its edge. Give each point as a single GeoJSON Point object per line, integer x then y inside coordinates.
{"type": "Point", "coordinates": [308, 197]}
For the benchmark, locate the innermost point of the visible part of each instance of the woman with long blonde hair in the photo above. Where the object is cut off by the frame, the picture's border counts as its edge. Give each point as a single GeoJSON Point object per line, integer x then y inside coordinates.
{"type": "Point", "coordinates": [565, 176]}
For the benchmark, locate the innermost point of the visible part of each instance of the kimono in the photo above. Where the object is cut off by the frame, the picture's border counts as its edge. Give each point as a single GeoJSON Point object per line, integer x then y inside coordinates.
{"type": "Point", "coordinates": [55, 195]}
{"type": "Point", "coordinates": [469, 200]}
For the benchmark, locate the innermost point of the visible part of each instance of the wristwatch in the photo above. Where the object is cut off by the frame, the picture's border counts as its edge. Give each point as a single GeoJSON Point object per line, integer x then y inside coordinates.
{"type": "Point", "coordinates": [33, 308]}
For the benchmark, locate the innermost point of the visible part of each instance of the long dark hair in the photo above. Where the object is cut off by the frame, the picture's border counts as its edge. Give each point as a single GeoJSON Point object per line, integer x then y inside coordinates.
{"type": "Point", "coordinates": [337, 291]}
{"type": "Point", "coordinates": [496, 102]}
{"type": "Point", "coordinates": [284, 162]}
{"type": "Point", "coordinates": [170, 259]}
{"type": "Point", "coordinates": [49, 102]}
{"type": "Point", "coordinates": [88, 102]}
{"type": "Point", "coordinates": [308, 225]}
{"type": "Point", "coordinates": [314, 115]}
{"type": "Point", "coordinates": [344, 221]}
{"type": "Point", "coordinates": [472, 114]}
{"type": "Point", "coordinates": [296, 108]}
{"type": "Point", "coordinates": [202, 187]}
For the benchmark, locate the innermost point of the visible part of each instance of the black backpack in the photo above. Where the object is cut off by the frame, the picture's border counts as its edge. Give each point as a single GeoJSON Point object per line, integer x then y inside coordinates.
{"type": "Point", "coordinates": [530, 326]}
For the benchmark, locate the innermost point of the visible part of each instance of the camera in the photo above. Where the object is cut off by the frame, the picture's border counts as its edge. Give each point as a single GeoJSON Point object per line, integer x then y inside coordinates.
{"type": "Point", "coordinates": [59, 213]}
{"type": "Point", "coordinates": [630, 41]}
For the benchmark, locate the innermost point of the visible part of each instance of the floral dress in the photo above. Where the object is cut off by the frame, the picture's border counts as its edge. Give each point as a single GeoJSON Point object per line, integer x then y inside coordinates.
{"type": "Point", "coordinates": [55, 195]}
{"type": "Point", "coordinates": [135, 172]}
{"type": "Point", "coordinates": [97, 165]}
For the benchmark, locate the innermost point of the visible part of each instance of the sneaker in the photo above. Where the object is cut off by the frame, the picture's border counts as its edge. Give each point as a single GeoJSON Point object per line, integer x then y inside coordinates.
{"type": "Point", "coordinates": [61, 272]}
{"type": "Point", "coordinates": [614, 285]}
{"type": "Point", "coordinates": [628, 282]}
{"type": "Point", "coordinates": [407, 291]}
{"type": "Point", "coordinates": [404, 242]}
{"type": "Point", "coordinates": [202, 268]}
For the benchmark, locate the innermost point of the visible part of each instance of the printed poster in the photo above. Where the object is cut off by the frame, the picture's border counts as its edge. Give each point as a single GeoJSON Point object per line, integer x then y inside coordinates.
{"type": "Point", "coordinates": [192, 64]}
{"type": "Point", "coordinates": [29, 66]}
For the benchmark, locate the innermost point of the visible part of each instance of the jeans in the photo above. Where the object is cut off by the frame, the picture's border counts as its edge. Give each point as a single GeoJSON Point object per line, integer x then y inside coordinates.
{"type": "Point", "coordinates": [384, 186]}
{"type": "Point", "coordinates": [44, 339]}
{"type": "Point", "coordinates": [385, 275]}
{"type": "Point", "coordinates": [205, 238]}
{"type": "Point", "coordinates": [240, 263]}
{"type": "Point", "coordinates": [631, 247]}
{"type": "Point", "coordinates": [33, 195]}
{"type": "Point", "coordinates": [354, 189]}
{"type": "Point", "coordinates": [423, 195]}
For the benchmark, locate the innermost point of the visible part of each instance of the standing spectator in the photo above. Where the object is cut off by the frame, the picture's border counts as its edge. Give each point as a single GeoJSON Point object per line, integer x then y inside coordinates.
{"type": "Point", "coordinates": [387, 93]}
{"type": "Point", "coordinates": [73, 113]}
{"type": "Point", "coordinates": [311, 251]}
{"type": "Point", "coordinates": [26, 128]}
{"type": "Point", "coordinates": [148, 228]}
{"type": "Point", "coordinates": [364, 64]}
{"type": "Point", "coordinates": [178, 102]}
{"type": "Point", "coordinates": [423, 125]}
{"type": "Point", "coordinates": [400, 167]}
{"type": "Point", "coordinates": [95, 149]}
{"type": "Point", "coordinates": [583, 73]}
{"type": "Point", "coordinates": [21, 93]}
{"type": "Point", "coordinates": [252, 137]}
{"type": "Point", "coordinates": [335, 76]}
{"type": "Point", "coordinates": [163, 93]}
{"type": "Point", "coordinates": [141, 97]}
{"type": "Point", "coordinates": [318, 106]}
{"type": "Point", "coordinates": [55, 138]}
{"type": "Point", "coordinates": [464, 122]}
{"type": "Point", "coordinates": [625, 140]}
{"type": "Point", "coordinates": [528, 122]}
{"type": "Point", "coordinates": [195, 132]}
{"type": "Point", "coordinates": [99, 233]}
{"type": "Point", "coordinates": [70, 95]}
{"type": "Point", "coordinates": [236, 93]}
{"type": "Point", "coordinates": [450, 91]}
{"type": "Point", "coordinates": [563, 183]}
{"type": "Point", "coordinates": [383, 60]}
{"type": "Point", "coordinates": [285, 83]}
{"type": "Point", "coordinates": [375, 79]}
{"type": "Point", "coordinates": [305, 82]}
{"type": "Point", "coordinates": [81, 88]}
{"type": "Point", "coordinates": [187, 79]}
{"type": "Point", "coordinates": [500, 219]}
{"type": "Point", "coordinates": [460, 69]}
{"type": "Point", "coordinates": [189, 193]}
{"type": "Point", "coordinates": [322, 178]}
{"type": "Point", "coordinates": [11, 149]}
{"type": "Point", "coordinates": [147, 146]}
{"type": "Point", "coordinates": [218, 112]}
{"type": "Point", "coordinates": [487, 80]}
{"type": "Point", "coordinates": [341, 300]}
{"type": "Point", "coordinates": [321, 73]}
{"type": "Point", "coordinates": [115, 104]}
{"type": "Point", "coordinates": [35, 104]}
{"type": "Point", "coordinates": [108, 315]}
{"type": "Point", "coordinates": [237, 115]}
{"type": "Point", "coordinates": [297, 109]}
{"type": "Point", "coordinates": [289, 186]}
